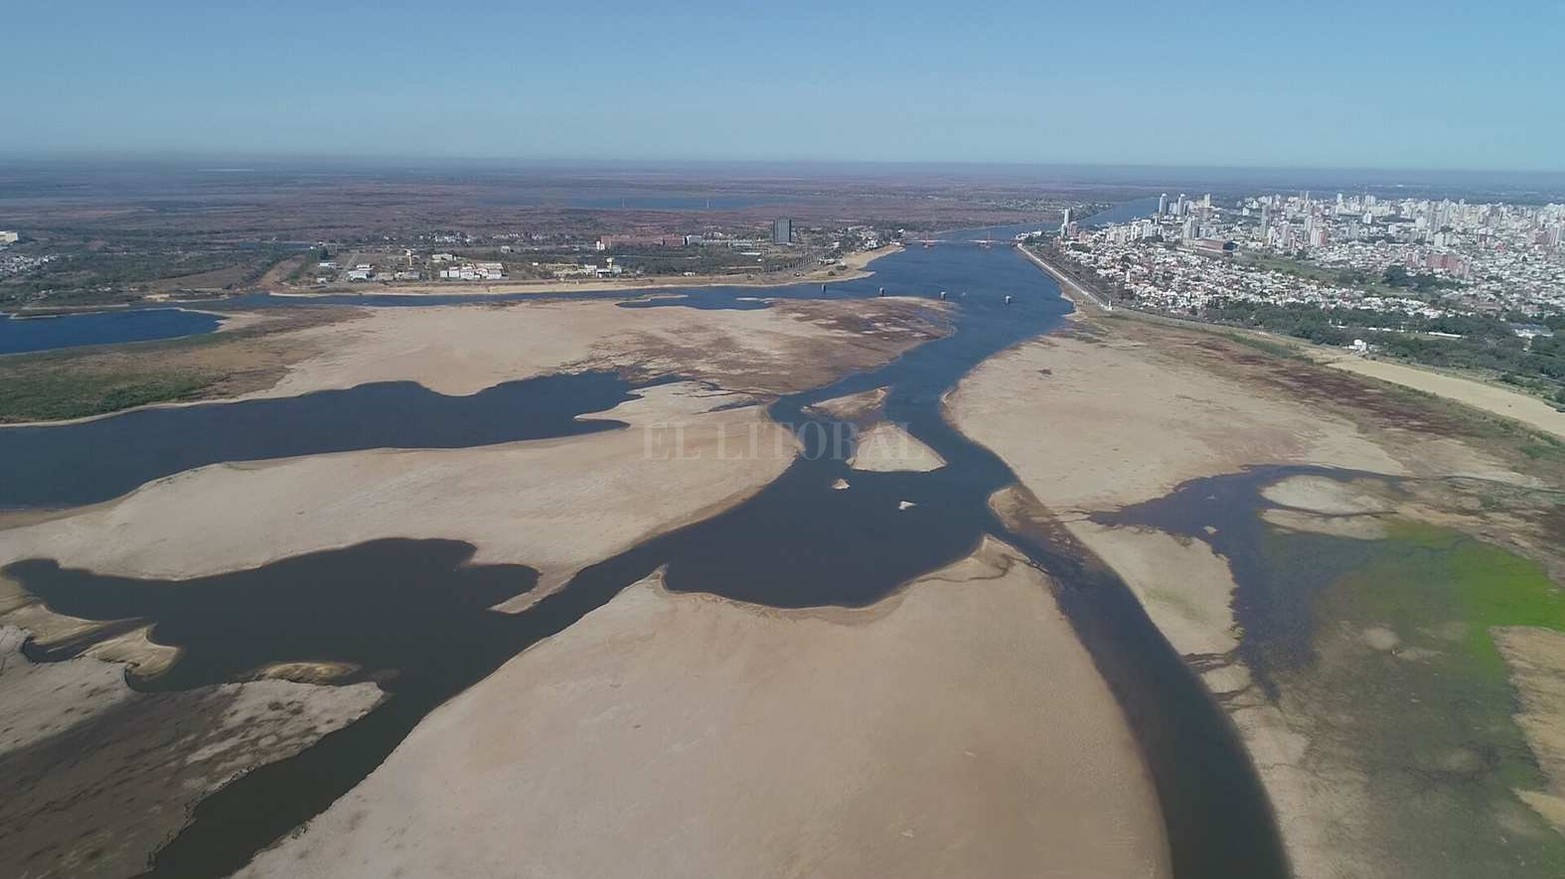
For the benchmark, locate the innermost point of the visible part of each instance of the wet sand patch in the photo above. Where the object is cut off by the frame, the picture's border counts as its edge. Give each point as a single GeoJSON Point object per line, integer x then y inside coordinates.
{"type": "Point", "coordinates": [1328, 497]}
{"type": "Point", "coordinates": [1536, 657]}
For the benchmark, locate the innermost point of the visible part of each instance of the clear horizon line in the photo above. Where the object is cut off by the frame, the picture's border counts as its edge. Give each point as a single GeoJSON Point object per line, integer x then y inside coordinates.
{"type": "Point", "coordinates": [153, 155]}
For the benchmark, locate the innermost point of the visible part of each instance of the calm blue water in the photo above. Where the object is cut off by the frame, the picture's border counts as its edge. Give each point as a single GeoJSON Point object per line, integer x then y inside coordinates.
{"type": "Point", "coordinates": [20, 335]}
{"type": "Point", "coordinates": [1123, 213]}
{"type": "Point", "coordinates": [60, 465]}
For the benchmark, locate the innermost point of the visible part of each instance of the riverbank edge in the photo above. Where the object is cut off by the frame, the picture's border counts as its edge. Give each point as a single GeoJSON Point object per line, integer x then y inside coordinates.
{"type": "Point", "coordinates": [1075, 292]}
{"type": "Point", "coordinates": [1467, 390]}
{"type": "Point", "coordinates": [856, 265]}
{"type": "Point", "coordinates": [1464, 390]}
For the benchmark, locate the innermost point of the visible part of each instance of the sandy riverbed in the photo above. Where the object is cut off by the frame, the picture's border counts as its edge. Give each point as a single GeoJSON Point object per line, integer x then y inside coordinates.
{"type": "Point", "coordinates": [1111, 413]}
{"type": "Point", "coordinates": [687, 735]}
{"type": "Point", "coordinates": [463, 349]}
{"type": "Point", "coordinates": [555, 505]}
{"type": "Point", "coordinates": [887, 447]}
{"type": "Point", "coordinates": [1529, 410]}
{"type": "Point", "coordinates": [1537, 659]}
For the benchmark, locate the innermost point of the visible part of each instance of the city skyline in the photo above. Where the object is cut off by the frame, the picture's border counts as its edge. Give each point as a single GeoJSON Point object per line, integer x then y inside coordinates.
{"type": "Point", "coordinates": [1435, 86]}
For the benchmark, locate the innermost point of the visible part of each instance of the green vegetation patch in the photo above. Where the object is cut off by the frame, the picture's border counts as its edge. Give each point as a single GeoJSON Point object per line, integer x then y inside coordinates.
{"type": "Point", "coordinates": [1436, 575]}
{"type": "Point", "coordinates": [1407, 684]}
{"type": "Point", "coordinates": [95, 380]}
{"type": "Point", "coordinates": [35, 392]}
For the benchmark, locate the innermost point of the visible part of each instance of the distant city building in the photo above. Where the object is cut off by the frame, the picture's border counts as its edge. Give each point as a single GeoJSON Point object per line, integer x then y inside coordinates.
{"type": "Point", "coordinates": [782, 231]}
{"type": "Point", "coordinates": [1065, 222]}
{"type": "Point", "coordinates": [1503, 258]}
{"type": "Point", "coordinates": [1162, 205]}
{"type": "Point", "coordinates": [610, 242]}
{"type": "Point", "coordinates": [475, 271]}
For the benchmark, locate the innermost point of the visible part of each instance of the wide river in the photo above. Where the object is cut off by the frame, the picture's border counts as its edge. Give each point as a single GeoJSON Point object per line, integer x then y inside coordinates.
{"type": "Point", "coordinates": [797, 543]}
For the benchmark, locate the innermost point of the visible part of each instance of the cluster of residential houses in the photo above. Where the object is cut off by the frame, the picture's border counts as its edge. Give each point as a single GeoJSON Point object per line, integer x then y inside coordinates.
{"type": "Point", "coordinates": [1186, 281]}
{"type": "Point", "coordinates": [474, 271]}
{"type": "Point", "coordinates": [1506, 257]}
{"type": "Point", "coordinates": [563, 270]}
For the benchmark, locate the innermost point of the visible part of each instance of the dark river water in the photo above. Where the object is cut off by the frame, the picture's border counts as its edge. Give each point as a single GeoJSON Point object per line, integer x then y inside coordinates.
{"type": "Point", "coordinates": [797, 543]}
{"type": "Point", "coordinates": [89, 461]}
{"type": "Point", "coordinates": [20, 335]}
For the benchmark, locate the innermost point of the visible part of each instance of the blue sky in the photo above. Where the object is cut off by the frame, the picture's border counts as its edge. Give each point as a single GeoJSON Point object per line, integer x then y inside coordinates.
{"type": "Point", "coordinates": [1315, 84]}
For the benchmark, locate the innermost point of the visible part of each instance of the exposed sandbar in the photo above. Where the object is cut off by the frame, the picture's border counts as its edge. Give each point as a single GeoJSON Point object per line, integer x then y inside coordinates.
{"type": "Point", "coordinates": [687, 735]}
{"type": "Point", "coordinates": [886, 447]}
{"type": "Point", "coordinates": [1529, 410]}
{"type": "Point", "coordinates": [463, 349]}
{"type": "Point", "coordinates": [556, 505]}
{"type": "Point", "coordinates": [1103, 416]}
{"type": "Point", "coordinates": [1536, 657]}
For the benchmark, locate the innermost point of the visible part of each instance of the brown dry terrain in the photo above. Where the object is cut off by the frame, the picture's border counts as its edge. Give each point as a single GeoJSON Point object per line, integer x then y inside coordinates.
{"type": "Point", "coordinates": [1538, 655]}
{"type": "Point", "coordinates": [250, 353]}
{"type": "Point", "coordinates": [306, 204]}
{"type": "Point", "coordinates": [556, 505]}
{"type": "Point", "coordinates": [1115, 412]}
{"type": "Point", "coordinates": [1507, 402]}
{"type": "Point", "coordinates": [687, 735]}
{"type": "Point", "coordinates": [462, 349]}
{"type": "Point", "coordinates": [559, 505]}
{"type": "Point", "coordinates": [887, 447]}
{"type": "Point", "coordinates": [97, 777]}
{"type": "Point", "coordinates": [154, 229]}
{"type": "Point", "coordinates": [552, 504]}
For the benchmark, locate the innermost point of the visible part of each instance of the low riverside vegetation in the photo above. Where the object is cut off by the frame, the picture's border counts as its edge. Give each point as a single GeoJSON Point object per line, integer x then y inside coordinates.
{"type": "Point", "coordinates": [81, 382]}
{"type": "Point", "coordinates": [1407, 667]}
{"type": "Point", "coordinates": [133, 266]}
{"type": "Point", "coordinates": [1481, 343]}
{"type": "Point", "coordinates": [42, 389]}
